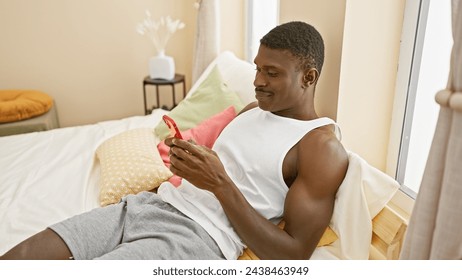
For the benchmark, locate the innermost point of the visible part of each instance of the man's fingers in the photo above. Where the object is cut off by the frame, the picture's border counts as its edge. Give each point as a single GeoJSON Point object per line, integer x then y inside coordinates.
{"type": "Point", "coordinates": [179, 152]}
{"type": "Point", "coordinates": [181, 162]}
{"type": "Point", "coordinates": [169, 141]}
{"type": "Point", "coordinates": [186, 145]}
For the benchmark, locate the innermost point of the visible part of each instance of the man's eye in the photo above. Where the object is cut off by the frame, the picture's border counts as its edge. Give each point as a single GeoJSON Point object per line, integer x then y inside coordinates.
{"type": "Point", "coordinates": [268, 73]}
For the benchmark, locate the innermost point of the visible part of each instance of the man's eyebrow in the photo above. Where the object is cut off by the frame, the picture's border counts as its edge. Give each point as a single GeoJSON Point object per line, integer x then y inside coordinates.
{"type": "Point", "coordinates": [268, 66]}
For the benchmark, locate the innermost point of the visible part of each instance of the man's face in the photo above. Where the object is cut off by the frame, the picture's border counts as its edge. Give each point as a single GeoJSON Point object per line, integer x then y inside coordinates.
{"type": "Point", "coordinates": [278, 83]}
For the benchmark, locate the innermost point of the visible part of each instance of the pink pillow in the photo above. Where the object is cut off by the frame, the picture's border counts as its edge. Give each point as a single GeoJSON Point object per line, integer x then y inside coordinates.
{"type": "Point", "coordinates": [204, 134]}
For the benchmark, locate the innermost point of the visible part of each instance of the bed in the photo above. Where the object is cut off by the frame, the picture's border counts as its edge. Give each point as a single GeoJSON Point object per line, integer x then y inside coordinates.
{"type": "Point", "coordinates": [49, 176]}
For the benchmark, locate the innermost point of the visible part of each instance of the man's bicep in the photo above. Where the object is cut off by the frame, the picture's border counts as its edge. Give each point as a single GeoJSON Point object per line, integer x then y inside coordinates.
{"type": "Point", "coordinates": [321, 167]}
{"type": "Point", "coordinates": [322, 164]}
{"type": "Point", "coordinates": [307, 215]}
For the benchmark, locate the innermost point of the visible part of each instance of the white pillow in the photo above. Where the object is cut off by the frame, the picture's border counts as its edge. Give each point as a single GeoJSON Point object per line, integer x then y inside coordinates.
{"type": "Point", "coordinates": [236, 73]}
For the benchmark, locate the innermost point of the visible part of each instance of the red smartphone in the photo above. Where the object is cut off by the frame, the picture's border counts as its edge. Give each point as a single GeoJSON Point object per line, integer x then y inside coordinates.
{"type": "Point", "coordinates": [174, 131]}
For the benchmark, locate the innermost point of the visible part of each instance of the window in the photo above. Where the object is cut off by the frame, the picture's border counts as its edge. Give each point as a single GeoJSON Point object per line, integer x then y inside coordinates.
{"type": "Point", "coordinates": [262, 16]}
{"type": "Point", "coordinates": [424, 62]}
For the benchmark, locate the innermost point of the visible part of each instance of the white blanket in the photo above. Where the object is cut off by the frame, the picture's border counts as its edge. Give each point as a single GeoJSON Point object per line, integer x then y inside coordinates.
{"type": "Point", "coordinates": [361, 196]}
{"type": "Point", "coordinates": [49, 176]}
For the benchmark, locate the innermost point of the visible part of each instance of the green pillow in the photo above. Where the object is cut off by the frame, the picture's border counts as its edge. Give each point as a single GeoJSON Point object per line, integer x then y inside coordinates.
{"type": "Point", "coordinates": [210, 98]}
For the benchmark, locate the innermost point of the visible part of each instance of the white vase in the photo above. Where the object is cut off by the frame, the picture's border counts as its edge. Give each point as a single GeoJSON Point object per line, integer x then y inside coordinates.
{"type": "Point", "coordinates": [162, 67]}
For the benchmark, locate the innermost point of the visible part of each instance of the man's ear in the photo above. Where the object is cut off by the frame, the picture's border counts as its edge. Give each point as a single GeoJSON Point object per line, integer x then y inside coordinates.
{"type": "Point", "coordinates": [310, 77]}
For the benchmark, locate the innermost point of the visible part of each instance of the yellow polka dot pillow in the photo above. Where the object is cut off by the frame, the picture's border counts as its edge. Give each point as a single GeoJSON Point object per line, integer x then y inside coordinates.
{"type": "Point", "coordinates": [130, 163]}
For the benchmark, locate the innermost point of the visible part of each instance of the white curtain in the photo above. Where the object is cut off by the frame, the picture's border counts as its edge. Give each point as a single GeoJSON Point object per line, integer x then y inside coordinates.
{"type": "Point", "coordinates": [207, 36]}
{"type": "Point", "coordinates": [435, 226]}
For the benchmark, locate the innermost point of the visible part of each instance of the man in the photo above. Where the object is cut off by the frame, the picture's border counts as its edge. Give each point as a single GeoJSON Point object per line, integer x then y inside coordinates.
{"type": "Point", "coordinates": [276, 160]}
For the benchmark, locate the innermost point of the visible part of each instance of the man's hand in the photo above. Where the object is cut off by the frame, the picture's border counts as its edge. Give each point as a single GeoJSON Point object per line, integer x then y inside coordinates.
{"type": "Point", "coordinates": [197, 164]}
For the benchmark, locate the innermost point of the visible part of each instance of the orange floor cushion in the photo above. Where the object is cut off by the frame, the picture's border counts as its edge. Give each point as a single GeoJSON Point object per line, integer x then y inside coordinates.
{"type": "Point", "coordinates": [16, 105]}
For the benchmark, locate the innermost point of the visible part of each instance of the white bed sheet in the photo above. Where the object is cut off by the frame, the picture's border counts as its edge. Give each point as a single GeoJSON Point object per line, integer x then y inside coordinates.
{"type": "Point", "coordinates": [48, 176]}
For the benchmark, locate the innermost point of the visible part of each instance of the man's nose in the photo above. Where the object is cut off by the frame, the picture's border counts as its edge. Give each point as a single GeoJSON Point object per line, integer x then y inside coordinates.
{"type": "Point", "coordinates": [259, 80]}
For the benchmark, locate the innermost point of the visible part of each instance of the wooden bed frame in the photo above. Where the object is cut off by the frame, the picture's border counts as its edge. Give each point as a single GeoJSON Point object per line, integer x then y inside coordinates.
{"type": "Point", "coordinates": [388, 230]}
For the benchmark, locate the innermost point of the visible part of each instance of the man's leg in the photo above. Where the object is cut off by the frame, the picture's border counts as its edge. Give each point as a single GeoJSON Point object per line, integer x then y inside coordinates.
{"type": "Point", "coordinates": [84, 236]}
{"type": "Point", "coordinates": [45, 245]}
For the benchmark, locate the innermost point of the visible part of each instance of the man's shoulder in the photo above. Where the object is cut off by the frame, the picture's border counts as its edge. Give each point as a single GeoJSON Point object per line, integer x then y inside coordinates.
{"type": "Point", "coordinates": [248, 107]}
{"type": "Point", "coordinates": [323, 138]}
{"type": "Point", "coordinates": [322, 150]}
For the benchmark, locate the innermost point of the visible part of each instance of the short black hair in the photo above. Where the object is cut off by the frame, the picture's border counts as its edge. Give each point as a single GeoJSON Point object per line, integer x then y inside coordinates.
{"type": "Point", "coordinates": [299, 38]}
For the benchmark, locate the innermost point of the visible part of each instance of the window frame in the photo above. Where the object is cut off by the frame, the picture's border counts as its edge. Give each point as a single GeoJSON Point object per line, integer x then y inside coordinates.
{"type": "Point", "coordinates": [412, 41]}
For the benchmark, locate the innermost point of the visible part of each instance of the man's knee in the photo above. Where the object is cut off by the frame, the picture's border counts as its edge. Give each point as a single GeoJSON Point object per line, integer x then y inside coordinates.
{"type": "Point", "coordinates": [45, 245]}
{"type": "Point", "coordinates": [18, 252]}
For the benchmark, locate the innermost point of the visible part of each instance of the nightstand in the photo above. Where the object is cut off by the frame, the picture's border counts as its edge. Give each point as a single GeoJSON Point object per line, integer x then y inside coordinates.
{"type": "Point", "coordinates": [178, 79]}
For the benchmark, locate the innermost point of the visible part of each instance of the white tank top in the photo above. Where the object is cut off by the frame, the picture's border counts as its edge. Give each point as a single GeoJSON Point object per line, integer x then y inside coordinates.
{"type": "Point", "coordinates": [252, 148]}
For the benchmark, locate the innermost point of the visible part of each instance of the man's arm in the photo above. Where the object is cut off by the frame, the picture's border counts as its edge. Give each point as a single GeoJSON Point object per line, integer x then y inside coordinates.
{"type": "Point", "coordinates": [322, 164]}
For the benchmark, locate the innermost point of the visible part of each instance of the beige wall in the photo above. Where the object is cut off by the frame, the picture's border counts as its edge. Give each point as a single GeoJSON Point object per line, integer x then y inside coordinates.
{"type": "Point", "coordinates": [328, 18]}
{"type": "Point", "coordinates": [232, 26]}
{"type": "Point", "coordinates": [87, 55]}
{"type": "Point", "coordinates": [368, 76]}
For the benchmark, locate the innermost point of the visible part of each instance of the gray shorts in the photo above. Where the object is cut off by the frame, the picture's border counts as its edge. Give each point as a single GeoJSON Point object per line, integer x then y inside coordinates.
{"type": "Point", "coordinates": [141, 226]}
